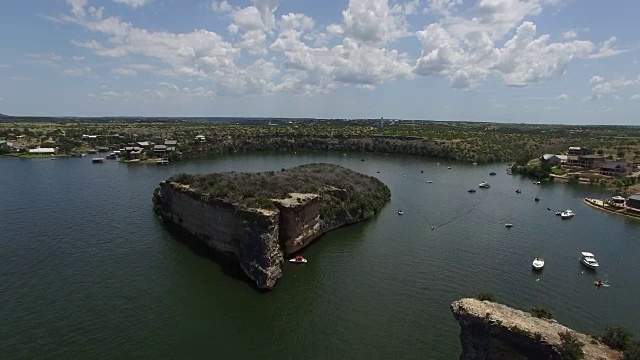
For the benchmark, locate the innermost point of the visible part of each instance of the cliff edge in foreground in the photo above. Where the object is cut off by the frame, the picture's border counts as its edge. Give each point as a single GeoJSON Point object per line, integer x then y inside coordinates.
{"type": "Point", "coordinates": [495, 331]}
{"type": "Point", "coordinates": [259, 218]}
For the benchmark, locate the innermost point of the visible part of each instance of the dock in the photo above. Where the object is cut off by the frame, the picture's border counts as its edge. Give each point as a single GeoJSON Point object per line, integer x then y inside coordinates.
{"type": "Point", "coordinates": [614, 209]}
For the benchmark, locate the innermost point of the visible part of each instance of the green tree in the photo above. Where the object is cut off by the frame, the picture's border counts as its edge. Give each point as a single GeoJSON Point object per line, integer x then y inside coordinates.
{"type": "Point", "coordinates": [570, 347]}
{"type": "Point", "coordinates": [616, 337]}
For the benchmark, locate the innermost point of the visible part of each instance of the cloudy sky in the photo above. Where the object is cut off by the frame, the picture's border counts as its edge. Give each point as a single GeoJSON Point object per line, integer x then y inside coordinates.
{"type": "Point", "coordinates": [538, 61]}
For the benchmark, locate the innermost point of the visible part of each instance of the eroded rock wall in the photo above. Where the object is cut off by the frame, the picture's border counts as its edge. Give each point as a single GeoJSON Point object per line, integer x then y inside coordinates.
{"type": "Point", "coordinates": [251, 235]}
{"type": "Point", "coordinates": [492, 331]}
{"type": "Point", "coordinates": [299, 221]}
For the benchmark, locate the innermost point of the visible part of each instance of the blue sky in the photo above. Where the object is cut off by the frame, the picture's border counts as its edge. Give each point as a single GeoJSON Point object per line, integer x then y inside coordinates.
{"type": "Point", "coordinates": [536, 61]}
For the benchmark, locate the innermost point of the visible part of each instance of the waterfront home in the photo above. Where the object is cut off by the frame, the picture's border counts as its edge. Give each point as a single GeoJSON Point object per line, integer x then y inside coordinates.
{"type": "Point", "coordinates": [549, 159]}
{"type": "Point", "coordinates": [586, 161]}
{"type": "Point", "coordinates": [143, 144]}
{"type": "Point", "coordinates": [160, 150]}
{"type": "Point", "coordinates": [552, 159]}
{"type": "Point", "coordinates": [577, 151]}
{"type": "Point", "coordinates": [42, 151]}
{"type": "Point", "coordinates": [171, 145]}
{"type": "Point", "coordinates": [633, 201]}
{"type": "Point", "coordinates": [616, 168]}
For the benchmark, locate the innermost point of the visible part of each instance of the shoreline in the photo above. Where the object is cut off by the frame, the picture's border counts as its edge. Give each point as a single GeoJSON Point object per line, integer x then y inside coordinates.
{"type": "Point", "coordinates": [593, 203]}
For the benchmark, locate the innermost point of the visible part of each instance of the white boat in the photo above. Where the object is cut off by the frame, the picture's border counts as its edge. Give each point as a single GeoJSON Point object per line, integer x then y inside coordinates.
{"type": "Point", "coordinates": [298, 260]}
{"type": "Point", "coordinates": [509, 225]}
{"type": "Point", "coordinates": [538, 264]}
{"type": "Point", "coordinates": [484, 185]}
{"type": "Point", "coordinates": [449, 167]}
{"type": "Point", "coordinates": [536, 183]}
{"type": "Point", "coordinates": [400, 212]}
{"type": "Point", "coordinates": [567, 214]}
{"type": "Point", "coordinates": [589, 260]}
{"type": "Point", "coordinates": [429, 182]}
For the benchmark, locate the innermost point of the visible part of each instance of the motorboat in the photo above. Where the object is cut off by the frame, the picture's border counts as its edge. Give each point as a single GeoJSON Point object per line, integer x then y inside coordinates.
{"type": "Point", "coordinates": [509, 225]}
{"type": "Point", "coordinates": [400, 212]}
{"type": "Point", "coordinates": [567, 214]}
{"type": "Point", "coordinates": [558, 213]}
{"type": "Point", "coordinates": [97, 160]}
{"type": "Point", "coordinates": [449, 167]}
{"type": "Point", "coordinates": [589, 260]}
{"type": "Point", "coordinates": [537, 183]}
{"type": "Point", "coordinates": [484, 185]}
{"type": "Point", "coordinates": [518, 191]}
{"type": "Point", "coordinates": [162, 162]}
{"type": "Point", "coordinates": [112, 156]}
{"type": "Point", "coordinates": [537, 198]}
{"type": "Point", "coordinates": [429, 182]}
{"type": "Point", "coordinates": [471, 190]}
{"type": "Point", "coordinates": [509, 173]}
{"type": "Point", "coordinates": [298, 260]}
{"type": "Point", "coordinates": [492, 173]}
{"type": "Point", "coordinates": [538, 264]}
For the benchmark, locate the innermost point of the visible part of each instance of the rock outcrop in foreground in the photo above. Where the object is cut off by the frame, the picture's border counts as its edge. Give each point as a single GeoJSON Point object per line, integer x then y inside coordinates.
{"type": "Point", "coordinates": [259, 218]}
{"type": "Point", "coordinates": [495, 331]}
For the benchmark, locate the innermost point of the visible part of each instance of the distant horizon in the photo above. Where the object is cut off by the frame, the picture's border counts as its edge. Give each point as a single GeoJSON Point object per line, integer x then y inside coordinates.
{"type": "Point", "coordinates": [266, 118]}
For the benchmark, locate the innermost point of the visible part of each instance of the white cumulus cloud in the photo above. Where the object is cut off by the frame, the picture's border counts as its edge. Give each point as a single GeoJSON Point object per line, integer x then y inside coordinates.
{"type": "Point", "coordinates": [78, 71]}
{"type": "Point", "coordinates": [264, 51]}
{"type": "Point", "coordinates": [563, 97]}
{"type": "Point", "coordinates": [635, 97]}
{"type": "Point", "coordinates": [134, 3]}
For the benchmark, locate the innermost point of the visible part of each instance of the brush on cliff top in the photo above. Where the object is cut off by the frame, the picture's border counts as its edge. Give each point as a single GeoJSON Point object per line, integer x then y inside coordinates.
{"type": "Point", "coordinates": [257, 189]}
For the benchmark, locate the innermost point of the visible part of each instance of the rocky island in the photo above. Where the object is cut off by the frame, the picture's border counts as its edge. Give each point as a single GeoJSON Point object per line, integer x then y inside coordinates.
{"type": "Point", "coordinates": [260, 218]}
{"type": "Point", "coordinates": [492, 331]}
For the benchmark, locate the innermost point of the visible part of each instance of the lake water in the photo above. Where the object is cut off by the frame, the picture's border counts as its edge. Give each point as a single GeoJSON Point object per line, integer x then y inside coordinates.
{"type": "Point", "coordinates": [86, 270]}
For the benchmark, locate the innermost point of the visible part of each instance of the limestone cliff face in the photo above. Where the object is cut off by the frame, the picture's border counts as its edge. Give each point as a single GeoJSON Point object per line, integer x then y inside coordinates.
{"type": "Point", "coordinates": [250, 235]}
{"type": "Point", "coordinates": [495, 331]}
{"type": "Point", "coordinates": [299, 221]}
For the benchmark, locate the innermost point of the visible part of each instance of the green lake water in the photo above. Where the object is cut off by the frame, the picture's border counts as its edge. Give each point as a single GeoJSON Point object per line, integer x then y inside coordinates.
{"type": "Point", "coordinates": [87, 272]}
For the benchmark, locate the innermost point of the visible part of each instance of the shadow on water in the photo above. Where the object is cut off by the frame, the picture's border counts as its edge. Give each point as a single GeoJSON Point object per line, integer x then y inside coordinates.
{"type": "Point", "coordinates": [228, 263]}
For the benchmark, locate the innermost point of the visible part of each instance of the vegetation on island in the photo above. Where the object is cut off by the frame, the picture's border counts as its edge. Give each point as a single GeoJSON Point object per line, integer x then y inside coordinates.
{"type": "Point", "coordinates": [486, 296]}
{"type": "Point", "coordinates": [365, 195]}
{"type": "Point", "coordinates": [620, 338]}
{"type": "Point", "coordinates": [542, 313]}
{"type": "Point", "coordinates": [570, 346]}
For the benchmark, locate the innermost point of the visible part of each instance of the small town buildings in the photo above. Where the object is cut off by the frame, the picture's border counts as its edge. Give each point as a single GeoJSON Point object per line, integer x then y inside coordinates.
{"type": "Point", "coordinates": [143, 144]}
{"type": "Point", "coordinates": [42, 151]}
{"type": "Point", "coordinates": [633, 201]}
{"type": "Point", "coordinates": [586, 161]}
{"type": "Point", "coordinates": [616, 168]}
{"type": "Point", "coordinates": [200, 138]}
{"type": "Point", "coordinates": [577, 151]}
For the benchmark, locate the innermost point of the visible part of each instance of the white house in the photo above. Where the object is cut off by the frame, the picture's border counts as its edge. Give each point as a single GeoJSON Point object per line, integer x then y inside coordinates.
{"type": "Point", "coordinates": [200, 138]}
{"type": "Point", "coordinates": [42, 151]}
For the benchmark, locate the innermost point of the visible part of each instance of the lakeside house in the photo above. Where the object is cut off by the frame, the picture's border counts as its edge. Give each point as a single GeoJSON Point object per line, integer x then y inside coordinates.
{"type": "Point", "coordinates": [633, 201]}
{"type": "Point", "coordinates": [42, 151]}
{"type": "Point", "coordinates": [143, 144]}
{"type": "Point", "coordinates": [586, 161]}
{"type": "Point", "coordinates": [160, 150]}
{"type": "Point", "coordinates": [616, 168]}
{"type": "Point", "coordinates": [171, 145]}
{"type": "Point", "coordinates": [578, 151]}
{"type": "Point", "coordinates": [553, 159]}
